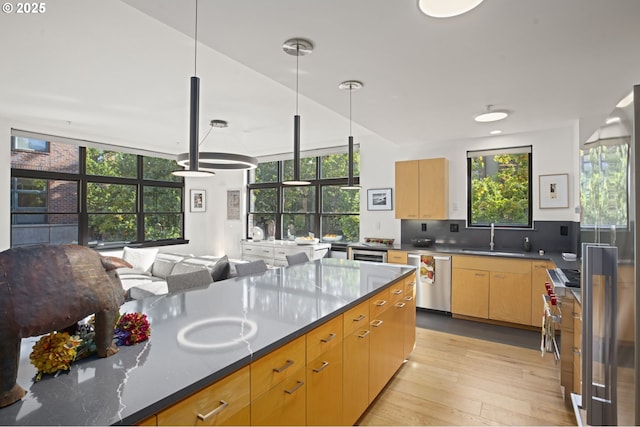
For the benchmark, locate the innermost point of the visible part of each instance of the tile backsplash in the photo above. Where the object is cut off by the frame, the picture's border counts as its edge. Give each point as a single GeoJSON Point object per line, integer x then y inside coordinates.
{"type": "Point", "coordinates": [554, 236]}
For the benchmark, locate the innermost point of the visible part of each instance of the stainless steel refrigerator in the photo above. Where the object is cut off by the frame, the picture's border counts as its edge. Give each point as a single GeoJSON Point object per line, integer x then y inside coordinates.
{"type": "Point", "coordinates": [610, 294]}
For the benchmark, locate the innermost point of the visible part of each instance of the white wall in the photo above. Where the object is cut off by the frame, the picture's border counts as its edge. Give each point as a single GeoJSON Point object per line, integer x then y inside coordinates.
{"type": "Point", "coordinates": [554, 152]}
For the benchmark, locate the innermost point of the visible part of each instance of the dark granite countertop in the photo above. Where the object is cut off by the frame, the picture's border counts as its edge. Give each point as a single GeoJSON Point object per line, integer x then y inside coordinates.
{"type": "Point", "coordinates": [197, 337]}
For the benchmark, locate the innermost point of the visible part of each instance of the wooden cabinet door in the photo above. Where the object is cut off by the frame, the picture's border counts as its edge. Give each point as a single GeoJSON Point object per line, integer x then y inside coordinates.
{"type": "Point", "coordinates": [470, 292]}
{"type": "Point", "coordinates": [379, 358]}
{"type": "Point", "coordinates": [407, 189]}
{"type": "Point", "coordinates": [433, 188]}
{"type": "Point", "coordinates": [324, 388]}
{"type": "Point", "coordinates": [218, 404]}
{"type": "Point", "coordinates": [577, 348]}
{"type": "Point", "coordinates": [409, 323]}
{"type": "Point", "coordinates": [510, 297]}
{"type": "Point", "coordinates": [539, 276]}
{"type": "Point", "coordinates": [356, 374]}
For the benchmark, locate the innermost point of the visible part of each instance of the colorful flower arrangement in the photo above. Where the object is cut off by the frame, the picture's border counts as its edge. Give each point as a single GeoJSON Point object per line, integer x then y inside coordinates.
{"type": "Point", "coordinates": [58, 350]}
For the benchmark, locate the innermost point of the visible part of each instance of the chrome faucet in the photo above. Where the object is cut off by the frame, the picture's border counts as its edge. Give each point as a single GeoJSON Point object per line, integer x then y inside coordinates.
{"type": "Point", "coordinates": [493, 231]}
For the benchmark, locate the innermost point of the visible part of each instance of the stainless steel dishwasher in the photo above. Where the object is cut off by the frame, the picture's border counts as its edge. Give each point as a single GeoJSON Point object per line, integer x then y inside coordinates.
{"type": "Point", "coordinates": [433, 279]}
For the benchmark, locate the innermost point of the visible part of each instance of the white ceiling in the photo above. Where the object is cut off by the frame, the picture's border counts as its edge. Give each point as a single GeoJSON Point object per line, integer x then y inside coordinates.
{"type": "Point", "coordinates": [118, 71]}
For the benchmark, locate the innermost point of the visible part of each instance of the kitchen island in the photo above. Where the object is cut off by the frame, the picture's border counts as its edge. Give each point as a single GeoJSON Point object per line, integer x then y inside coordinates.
{"type": "Point", "coordinates": [198, 338]}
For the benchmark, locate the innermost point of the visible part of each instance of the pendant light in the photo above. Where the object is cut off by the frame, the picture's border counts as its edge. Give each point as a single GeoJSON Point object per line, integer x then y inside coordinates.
{"type": "Point", "coordinates": [194, 113]}
{"type": "Point", "coordinates": [491, 115]}
{"type": "Point", "coordinates": [297, 47]}
{"type": "Point", "coordinates": [212, 161]}
{"type": "Point", "coordinates": [350, 85]}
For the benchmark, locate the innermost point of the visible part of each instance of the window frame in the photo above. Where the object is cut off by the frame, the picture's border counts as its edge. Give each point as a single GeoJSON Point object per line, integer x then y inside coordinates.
{"type": "Point", "coordinates": [317, 182]}
{"type": "Point", "coordinates": [83, 179]}
{"type": "Point", "coordinates": [528, 149]}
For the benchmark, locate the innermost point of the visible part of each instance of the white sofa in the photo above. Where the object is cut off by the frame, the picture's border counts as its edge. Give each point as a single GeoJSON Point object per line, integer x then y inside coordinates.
{"type": "Point", "coordinates": [150, 269]}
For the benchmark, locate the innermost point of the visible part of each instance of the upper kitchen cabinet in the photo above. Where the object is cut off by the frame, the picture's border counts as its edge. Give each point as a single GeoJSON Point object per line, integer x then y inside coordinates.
{"type": "Point", "coordinates": [422, 189]}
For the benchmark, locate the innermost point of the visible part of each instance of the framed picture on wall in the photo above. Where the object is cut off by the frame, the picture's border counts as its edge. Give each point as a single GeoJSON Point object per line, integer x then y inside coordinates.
{"type": "Point", "coordinates": [233, 204]}
{"type": "Point", "coordinates": [554, 191]}
{"type": "Point", "coordinates": [198, 200]}
{"type": "Point", "coordinates": [379, 199]}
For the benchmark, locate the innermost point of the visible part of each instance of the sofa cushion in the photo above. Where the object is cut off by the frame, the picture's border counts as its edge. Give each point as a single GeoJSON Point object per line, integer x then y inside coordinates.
{"type": "Point", "coordinates": [221, 269]}
{"type": "Point", "coordinates": [140, 258]}
{"type": "Point", "coordinates": [164, 263]}
{"type": "Point", "coordinates": [186, 281]}
{"type": "Point", "coordinates": [188, 266]}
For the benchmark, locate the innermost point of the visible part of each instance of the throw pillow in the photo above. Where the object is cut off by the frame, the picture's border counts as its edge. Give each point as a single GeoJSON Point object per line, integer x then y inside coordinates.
{"type": "Point", "coordinates": [221, 269]}
{"type": "Point", "coordinates": [164, 263]}
{"type": "Point", "coordinates": [187, 267]}
{"type": "Point", "coordinates": [141, 259]}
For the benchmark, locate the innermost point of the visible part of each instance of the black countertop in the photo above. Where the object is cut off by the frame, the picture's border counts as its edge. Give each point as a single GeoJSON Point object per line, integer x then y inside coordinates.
{"type": "Point", "coordinates": [239, 319]}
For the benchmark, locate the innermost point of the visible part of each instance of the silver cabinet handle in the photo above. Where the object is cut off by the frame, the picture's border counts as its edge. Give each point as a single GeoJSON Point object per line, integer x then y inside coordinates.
{"type": "Point", "coordinates": [329, 338]}
{"type": "Point", "coordinates": [411, 283]}
{"type": "Point", "coordinates": [222, 406]}
{"type": "Point", "coordinates": [397, 291]}
{"type": "Point", "coordinates": [364, 334]}
{"type": "Point", "coordinates": [480, 274]}
{"type": "Point", "coordinates": [376, 323]}
{"type": "Point", "coordinates": [500, 276]}
{"type": "Point", "coordinates": [400, 304]}
{"type": "Point", "coordinates": [295, 387]}
{"type": "Point", "coordinates": [321, 368]}
{"type": "Point", "coordinates": [576, 350]}
{"type": "Point", "coordinates": [359, 318]}
{"type": "Point", "coordinates": [409, 298]}
{"type": "Point", "coordinates": [288, 363]}
{"type": "Point", "coordinates": [380, 303]}
{"type": "Point", "coordinates": [248, 249]}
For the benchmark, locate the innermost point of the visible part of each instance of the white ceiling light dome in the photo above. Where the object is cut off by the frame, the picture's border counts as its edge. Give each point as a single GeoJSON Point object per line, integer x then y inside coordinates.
{"type": "Point", "coordinates": [491, 115]}
{"type": "Point", "coordinates": [446, 8]}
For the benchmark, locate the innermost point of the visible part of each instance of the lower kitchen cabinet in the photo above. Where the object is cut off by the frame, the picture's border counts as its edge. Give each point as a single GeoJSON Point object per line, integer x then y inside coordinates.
{"type": "Point", "coordinates": [577, 348]}
{"type": "Point", "coordinates": [355, 398]}
{"type": "Point", "coordinates": [324, 388]}
{"type": "Point", "coordinates": [284, 404]}
{"type": "Point", "coordinates": [224, 403]}
{"type": "Point", "coordinates": [409, 322]}
{"type": "Point", "coordinates": [381, 353]}
{"type": "Point", "coordinates": [510, 294]}
{"type": "Point", "coordinates": [494, 288]}
{"type": "Point", "coordinates": [470, 292]}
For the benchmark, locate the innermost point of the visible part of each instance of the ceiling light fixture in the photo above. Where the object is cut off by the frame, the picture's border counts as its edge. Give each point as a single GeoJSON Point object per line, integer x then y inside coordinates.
{"type": "Point", "coordinates": [297, 47]}
{"type": "Point", "coordinates": [495, 132]}
{"type": "Point", "coordinates": [446, 8]}
{"type": "Point", "coordinates": [350, 85]}
{"type": "Point", "coordinates": [491, 115]}
{"type": "Point", "coordinates": [626, 100]}
{"type": "Point", "coordinates": [193, 170]}
{"type": "Point", "coordinates": [210, 161]}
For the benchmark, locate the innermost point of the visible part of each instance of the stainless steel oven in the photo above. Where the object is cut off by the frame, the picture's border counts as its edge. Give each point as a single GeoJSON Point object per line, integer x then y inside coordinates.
{"type": "Point", "coordinates": [368, 254]}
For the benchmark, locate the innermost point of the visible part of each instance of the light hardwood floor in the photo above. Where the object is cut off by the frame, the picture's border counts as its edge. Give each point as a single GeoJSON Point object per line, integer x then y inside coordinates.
{"type": "Point", "coordinates": [455, 380]}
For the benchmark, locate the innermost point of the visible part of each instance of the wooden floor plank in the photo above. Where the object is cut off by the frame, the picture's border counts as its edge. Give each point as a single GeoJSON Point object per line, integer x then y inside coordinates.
{"type": "Point", "coordinates": [456, 380]}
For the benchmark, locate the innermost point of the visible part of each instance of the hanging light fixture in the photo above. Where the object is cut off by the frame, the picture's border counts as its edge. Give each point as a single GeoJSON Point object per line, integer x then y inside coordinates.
{"type": "Point", "coordinates": [350, 85]}
{"type": "Point", "coordinates": [202, 164]}
{"type": "Point", "coordinates": [297, 47]}
{"type": "Point", "coordinates": [491, 115]}
{"type": "Point", "coordinates": [194, 113]}
{"type": "Point", "coordinates": [210, 161]}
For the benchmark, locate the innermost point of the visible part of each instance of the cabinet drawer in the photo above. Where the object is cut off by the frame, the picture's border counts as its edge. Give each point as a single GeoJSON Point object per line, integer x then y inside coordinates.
{"type": "Point", "coordinates": [397, 257]}
{"type": "Point", "coordinates": [257, 250]}
{"type": "Point", "coordinates": [213, 405]}
{"type": "Point", "coordinates": [396, 291]}
{"type": "Point", "coordinates": [277, 366]}
{"type": "Point", "coordinates": [281, 253]}
{"type": "Point", "coordinates": [356, 318]}
{"type": "Point", "coordinates": [324, 337]}
{"type": "Point", "coordinates": [284, 404]}
{"type": "Point", "coordinates": [410, 288]}
{"type": "Point", "coordinates": [379, 303]}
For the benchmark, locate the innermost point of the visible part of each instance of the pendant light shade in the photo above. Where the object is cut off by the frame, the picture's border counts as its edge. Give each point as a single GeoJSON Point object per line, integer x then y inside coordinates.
{"type": "Point", "coordinates": [298, 48]}
{"type": "Point", "coordinates": [201, 164]}
{"type": "Point", "coordinates": [350, 85]}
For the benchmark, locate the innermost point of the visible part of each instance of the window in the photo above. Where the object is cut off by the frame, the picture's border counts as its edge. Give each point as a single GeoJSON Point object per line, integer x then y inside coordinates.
{"type": "Point", "coordinates": [499, 187]}
{"type": "Point", "coordinates": [29, 144]}
{"type": "Point", "coordinates": [321, 208]}
{"type": "Point", "coordinates": [125, 198]}
{"type": "Point", "coordinates": [604, 183]}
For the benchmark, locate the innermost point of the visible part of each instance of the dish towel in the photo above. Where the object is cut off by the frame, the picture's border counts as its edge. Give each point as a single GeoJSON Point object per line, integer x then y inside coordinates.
{"type": "Point", "coordinates": [427, 269]}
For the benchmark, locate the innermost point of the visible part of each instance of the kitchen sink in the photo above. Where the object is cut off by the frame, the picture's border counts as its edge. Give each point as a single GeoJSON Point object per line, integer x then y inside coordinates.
{"type": "Point", "coordinates": [491, 253]}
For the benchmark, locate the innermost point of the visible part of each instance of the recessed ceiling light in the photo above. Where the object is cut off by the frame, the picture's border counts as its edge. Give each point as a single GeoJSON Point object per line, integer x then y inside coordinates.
{"type": "Point", "coordinates": [491, 115]}
{"type": "Point", "coordinates": [446, 8]}
{"type": "Point", "coordinates": [496, 132]}
{"type": "Point", "coordinates": [611, 120]}
{"type": "Point", "coordinates": [626, 100]}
